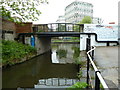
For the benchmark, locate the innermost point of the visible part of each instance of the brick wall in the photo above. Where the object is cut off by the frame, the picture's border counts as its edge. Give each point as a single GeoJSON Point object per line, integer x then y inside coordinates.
{"type": "Point", "coordinates": [18, 28]}
{"type": "Point", "coordinates": [25, 28]}
{"type": "Point", "coordinates": [7, 25]}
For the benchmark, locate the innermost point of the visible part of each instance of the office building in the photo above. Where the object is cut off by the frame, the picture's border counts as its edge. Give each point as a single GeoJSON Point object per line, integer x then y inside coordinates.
{"type": "Point", "coordinates": [77, 10]}
{"type": "Point", "coordinates": [61, 19]}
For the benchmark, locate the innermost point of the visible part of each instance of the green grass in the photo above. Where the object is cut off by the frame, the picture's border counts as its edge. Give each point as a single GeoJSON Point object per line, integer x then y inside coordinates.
{"type": "Point", "coordinates": [69, 40]}
{"type": "Point", "coordinates": [13, 51]}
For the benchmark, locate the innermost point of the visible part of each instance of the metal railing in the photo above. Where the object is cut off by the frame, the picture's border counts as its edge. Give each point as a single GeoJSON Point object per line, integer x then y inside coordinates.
{"type": "Point", "coordinates": [58, 27]}
{"type": "Point", "coordinates": [98, 77]}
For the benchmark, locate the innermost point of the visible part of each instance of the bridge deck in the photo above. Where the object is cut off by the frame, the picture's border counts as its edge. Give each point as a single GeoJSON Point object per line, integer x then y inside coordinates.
{"type": "Point", "coordinates": [54, 34]}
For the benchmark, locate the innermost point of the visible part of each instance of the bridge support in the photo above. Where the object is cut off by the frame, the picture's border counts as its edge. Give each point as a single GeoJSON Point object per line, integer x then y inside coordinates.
{"type": "Point", "coordinates": [42, 44]}
{"type": "Point", "coordinates": [94, 41]}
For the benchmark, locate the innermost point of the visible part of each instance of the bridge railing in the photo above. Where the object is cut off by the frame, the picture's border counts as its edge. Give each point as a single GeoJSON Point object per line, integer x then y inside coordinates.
{"type": "Point", "coordinates": [58, 27]}
{"type": "Point", "coordinates": [98, 77]}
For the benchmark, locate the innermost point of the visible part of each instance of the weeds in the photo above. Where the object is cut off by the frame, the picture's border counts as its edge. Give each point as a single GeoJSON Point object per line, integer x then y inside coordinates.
{"type": "Point", "coordinates": [79, 85]}
{"type": "Point", "coordinates": [79, 75]}
{"type": "Point", "coordinates": [12, 50]}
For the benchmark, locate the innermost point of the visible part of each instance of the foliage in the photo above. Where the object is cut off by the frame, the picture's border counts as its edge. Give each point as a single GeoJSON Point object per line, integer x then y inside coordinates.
{"type": "Point", "coordinates": [76, 52]}
{"type": "Point", "coordinates": [20, 10]}
{"type": "Point", "coordinates": [79, 85]}
{"type": "Point", "coordinates": [86, 20]}
{"type": "Point", "coordinates": [62, 53]}
{"type": "Point", "coordinates": [80, 62]}
{"type": "Point", "coordinates": [61, 27]}
{"type": "Point", "coordinates": [74, 38]}
{"type": "Point", "coordinates": [101, 87]}
{"type": "Point", "coordinates": [65, 40]}
{"type": "Point", "coordinates": [40, 30]}
{"type": "Point", "coordinates": [77, 60]}
{"type": "Point", "coordinates": [79, 75]}
{"type": "Point", "coordinates": [12, 50]}
{"type": "Point", "coordinates": [77, 28]}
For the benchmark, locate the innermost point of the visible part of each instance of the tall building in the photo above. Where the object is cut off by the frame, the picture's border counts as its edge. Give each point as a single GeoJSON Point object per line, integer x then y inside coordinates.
{"type": "Point", "coordinates": [61, 19]}
{"type": "Point", "coordinates": [96, 20]}
{"type": "Point", "coordinates": [77, 10]}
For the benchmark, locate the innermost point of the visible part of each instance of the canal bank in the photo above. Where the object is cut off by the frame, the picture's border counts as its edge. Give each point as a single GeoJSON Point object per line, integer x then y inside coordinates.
{"type": "Point", "coordinates": [14, 53]}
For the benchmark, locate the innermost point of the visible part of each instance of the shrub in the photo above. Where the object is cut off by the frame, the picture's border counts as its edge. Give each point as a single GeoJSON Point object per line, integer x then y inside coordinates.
{"type": "Point", "coordinates": [13, 50]}
{"type": "Point", "coordinates": [79, 74]}
{"type": "Point", "coordinates": [79, 85]}
{"type": "Point", "coordinates": [62, 53]}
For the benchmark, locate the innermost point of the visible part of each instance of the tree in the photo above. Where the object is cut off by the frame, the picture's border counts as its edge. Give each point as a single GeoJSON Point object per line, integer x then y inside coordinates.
{"type": "Point", "coordinates": [20, 10]}
{"type": "Point", "coordinates": [86, 20]}
{"type": "Point", "coordinates": [61, 27]}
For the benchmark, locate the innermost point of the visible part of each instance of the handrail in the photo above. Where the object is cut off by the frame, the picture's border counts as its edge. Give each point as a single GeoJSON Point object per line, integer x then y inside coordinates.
{"type": "Point", "coordinates": [58, 27]}
{"type": "Point", "coordinates": [96, 70]}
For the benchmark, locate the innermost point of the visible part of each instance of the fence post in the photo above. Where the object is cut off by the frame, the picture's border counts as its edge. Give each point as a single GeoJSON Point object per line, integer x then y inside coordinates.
{"type": "Point", "coordinates": [73, 27]}
{"type": "Point", "coordinates": [65, 27]}
{"type": "Point", "coordinates": [87, 49]}
{"type": "Point", "coordinates": [92, 53]}
{"type": "Point", "coordinates": [59, 27]}
{"type": "Point", "coordinates": [97, 81]}
{"type": "Point", "coordinates": [51, 27]}
{"type": "Point", "coordinates": [79, 28]}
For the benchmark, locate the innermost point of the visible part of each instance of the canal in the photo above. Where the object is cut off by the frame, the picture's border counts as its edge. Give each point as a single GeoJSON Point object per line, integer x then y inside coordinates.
{"type": "Point", "coordinates": [55, 64]}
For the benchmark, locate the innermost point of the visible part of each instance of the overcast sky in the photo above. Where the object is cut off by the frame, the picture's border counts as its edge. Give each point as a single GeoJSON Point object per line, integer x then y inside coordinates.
{"type": "Point", "coordinates": [105, 9]}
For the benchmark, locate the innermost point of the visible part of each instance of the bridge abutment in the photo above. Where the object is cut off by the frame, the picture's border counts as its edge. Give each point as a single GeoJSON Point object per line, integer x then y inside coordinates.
{"type": "Point", "coordinates": [42, 44]}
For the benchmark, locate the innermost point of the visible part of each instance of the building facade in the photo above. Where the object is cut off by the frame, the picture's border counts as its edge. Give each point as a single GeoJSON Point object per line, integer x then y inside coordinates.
{"type": "Point", "coordinates": [61, 19]}
{"type": "Point", "coordinates": [96, 20]}
{"type": "Point", "coordinates": [77, 10]}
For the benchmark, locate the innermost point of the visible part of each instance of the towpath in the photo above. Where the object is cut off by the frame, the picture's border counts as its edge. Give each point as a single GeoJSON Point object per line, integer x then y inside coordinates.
{"type": "Point", "coordinates": [106, 59]}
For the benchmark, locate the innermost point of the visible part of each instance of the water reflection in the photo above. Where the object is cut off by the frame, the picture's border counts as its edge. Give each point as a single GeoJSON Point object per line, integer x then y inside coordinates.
{"type": "Point", "coordinates": [61, 53]}
{"type": "Point", "coordinates": [76, 52]}
{"type": "Point", "coordinates": [65, 53]}
{"type": "Point", "coordinates": [29, 73]}
{"type": "Point", "coordinates": [54, 57]}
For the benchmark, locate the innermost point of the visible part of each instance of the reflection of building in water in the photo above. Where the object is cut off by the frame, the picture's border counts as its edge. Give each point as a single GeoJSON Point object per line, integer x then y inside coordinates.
{"type": "Point", "coordinates": [56, 82]}
{"type": "Point", "coordinates": [54, 57]}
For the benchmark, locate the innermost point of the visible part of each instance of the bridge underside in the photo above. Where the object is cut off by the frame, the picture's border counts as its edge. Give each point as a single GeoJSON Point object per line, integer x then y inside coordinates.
{"type": "Point", "coordinates": [54, 34]}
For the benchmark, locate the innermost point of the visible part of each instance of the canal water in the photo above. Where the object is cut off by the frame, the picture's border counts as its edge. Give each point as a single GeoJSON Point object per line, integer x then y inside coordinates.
{"type": "Point", "coordinates": [58, 64]}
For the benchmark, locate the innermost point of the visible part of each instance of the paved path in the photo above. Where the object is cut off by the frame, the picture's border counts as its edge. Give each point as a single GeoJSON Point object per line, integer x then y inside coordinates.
{"type": "Point", "coordinates": [107, 61]}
